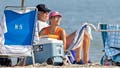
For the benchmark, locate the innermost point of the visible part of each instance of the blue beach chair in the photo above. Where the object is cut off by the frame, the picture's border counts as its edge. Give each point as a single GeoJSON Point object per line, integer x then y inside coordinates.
{"type": "Point", "coordinates": [19, 35]}
{"type": "Point", "coordinates": [111, 41]}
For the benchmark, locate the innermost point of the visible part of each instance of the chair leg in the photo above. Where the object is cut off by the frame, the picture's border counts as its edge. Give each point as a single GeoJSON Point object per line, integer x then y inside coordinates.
{"type": "Point", "coordinates": [67, 59]}
{"type": "Point", "coordinates": [23, 62]}
{"type": "Point", "coordinates": [33, 58]}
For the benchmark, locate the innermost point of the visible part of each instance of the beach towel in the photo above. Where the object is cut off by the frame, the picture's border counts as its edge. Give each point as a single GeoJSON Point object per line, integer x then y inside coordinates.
{"type": "Point", "coordinates": [79, 36]}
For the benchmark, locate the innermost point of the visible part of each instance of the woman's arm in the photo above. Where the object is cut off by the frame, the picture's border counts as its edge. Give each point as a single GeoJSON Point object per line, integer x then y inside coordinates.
{"type": "Point", "coordinates": [42, 32]}
{"type": "Point", "coordinates": [63, 37]}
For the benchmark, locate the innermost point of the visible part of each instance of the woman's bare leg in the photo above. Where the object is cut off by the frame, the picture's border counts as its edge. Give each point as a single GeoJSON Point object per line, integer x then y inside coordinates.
{"type": "Point", "coordinates": [86, 46]}
{"type": "Point", "coordinates": [70, 39]}
{"type": "Point", "coordinates": [78, 53]}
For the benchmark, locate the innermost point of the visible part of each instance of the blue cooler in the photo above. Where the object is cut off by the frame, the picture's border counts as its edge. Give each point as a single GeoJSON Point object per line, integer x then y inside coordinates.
{"type": "Point", "coordinates": [50, 51]}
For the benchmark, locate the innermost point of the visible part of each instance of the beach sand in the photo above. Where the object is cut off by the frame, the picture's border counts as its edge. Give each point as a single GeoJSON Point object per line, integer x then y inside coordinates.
{"type": "Point", "coordinates": [95, 65]}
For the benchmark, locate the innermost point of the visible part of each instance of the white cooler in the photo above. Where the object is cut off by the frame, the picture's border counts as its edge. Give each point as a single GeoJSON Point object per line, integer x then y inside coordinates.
{"type": "Point", "coordinates": [49, 50]}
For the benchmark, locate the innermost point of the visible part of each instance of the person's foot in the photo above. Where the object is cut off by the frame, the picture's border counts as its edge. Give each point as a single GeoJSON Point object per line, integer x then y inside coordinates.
{"type": "Point", "coordinates": [74, 62]}
{"type": "Point", "coordinates": [80, 62]}
{"type": "Point", "coordinates": [89, 61]}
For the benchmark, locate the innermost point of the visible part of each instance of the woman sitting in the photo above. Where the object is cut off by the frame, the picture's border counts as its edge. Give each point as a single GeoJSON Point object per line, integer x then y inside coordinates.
{"type": "Point", "coordinates": [55, 31]}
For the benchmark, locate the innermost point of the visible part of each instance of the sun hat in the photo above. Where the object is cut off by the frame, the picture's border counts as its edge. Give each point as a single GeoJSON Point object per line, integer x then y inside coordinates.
{"type": "Point", "coordinates": [54, 13]}
{"type": "Point", "coordinates": [42, 7]}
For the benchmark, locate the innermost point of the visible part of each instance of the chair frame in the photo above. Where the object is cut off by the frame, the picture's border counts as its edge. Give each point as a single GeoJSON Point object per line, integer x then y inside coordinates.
{"type": "Point", "coordinates": [17, 55]}
{"type": "Point", "coordinates": [103, 30]}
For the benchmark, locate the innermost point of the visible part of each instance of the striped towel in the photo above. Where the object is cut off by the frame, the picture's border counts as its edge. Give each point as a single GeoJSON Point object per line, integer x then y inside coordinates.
{"type": "Point", "coordinates": [79, 36]}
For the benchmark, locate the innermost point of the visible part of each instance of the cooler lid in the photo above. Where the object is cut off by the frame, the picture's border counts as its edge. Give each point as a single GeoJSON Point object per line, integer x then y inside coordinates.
{"type": "Point", "coordinates": [49, 40]}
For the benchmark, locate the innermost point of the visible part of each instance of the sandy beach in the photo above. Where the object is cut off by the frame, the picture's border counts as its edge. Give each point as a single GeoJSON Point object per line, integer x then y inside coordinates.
{"type": "Point", "coordinates": [95, 65]}
{"type": "Point", "coordinates": [75, 13]}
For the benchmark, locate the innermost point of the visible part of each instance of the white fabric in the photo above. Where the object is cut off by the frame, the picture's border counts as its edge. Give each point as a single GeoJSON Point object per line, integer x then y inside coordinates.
{"type": "Point", "coordinates": [13, 49]}
{"type": "Point", "coordinates": [22, 11]}
{"type": "Point", "coordinates": [3, 29]}
{"type": "Point", "coordinates": [5, 49]}
{"type": "Point", "coordinates": [49, 40]}
{"type": "Point", "coordinates": [41, 25]}
{"type": "Point", "coordinates": [88, 29]}
{"type": "Point", "coordinates": [38, 27]}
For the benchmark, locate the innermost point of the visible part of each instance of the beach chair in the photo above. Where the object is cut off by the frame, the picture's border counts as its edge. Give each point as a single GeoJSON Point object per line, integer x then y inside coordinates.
{"type": "Point", "coordinates": [17, 40]}
{"type": "Point", "coordinates": [71, 56]}
{"type": "Point", "coordinates": [111, 40]}
{"type": "Point", "coordinates": [71, 53]}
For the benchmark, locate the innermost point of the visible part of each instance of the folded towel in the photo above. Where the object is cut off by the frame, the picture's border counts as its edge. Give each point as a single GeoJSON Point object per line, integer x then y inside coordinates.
{"type": "Point", "coordinates": [79, 36]}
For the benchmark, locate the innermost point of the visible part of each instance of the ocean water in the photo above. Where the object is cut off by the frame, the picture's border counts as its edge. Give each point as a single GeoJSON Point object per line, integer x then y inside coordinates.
{"type": "Point", "coordinates": [76, 12]}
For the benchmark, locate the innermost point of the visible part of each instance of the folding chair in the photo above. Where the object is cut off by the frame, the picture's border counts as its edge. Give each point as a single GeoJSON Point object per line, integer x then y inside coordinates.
{"type": "Point", "coordinates": [71, 56]}
{"type": "Point", "coordinates": [111, 41]}
{"type": "Point", "coordinates": [71, 53]}
{"type": "Point", "coordinates": [20, 29]}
